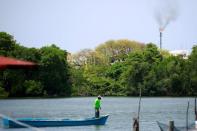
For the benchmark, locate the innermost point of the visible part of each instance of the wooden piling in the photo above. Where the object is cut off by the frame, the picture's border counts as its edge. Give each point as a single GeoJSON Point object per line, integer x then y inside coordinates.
{"type": "Point", "coordinates": [171, 125]}
{"type": "Point", "coordinates": [135, 124]}
{"type": "Point", "coordinates": [187, 115]}
{"type": "Point", "coordinates": [136, 120]}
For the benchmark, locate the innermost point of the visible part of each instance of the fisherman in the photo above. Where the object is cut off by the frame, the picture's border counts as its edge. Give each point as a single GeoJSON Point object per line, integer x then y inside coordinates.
{"type": "Point", "coordinates": [97, 106]}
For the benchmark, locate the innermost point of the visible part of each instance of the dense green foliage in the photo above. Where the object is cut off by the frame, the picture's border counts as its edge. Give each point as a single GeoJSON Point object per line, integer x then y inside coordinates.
{"type": "Point", "coordinates": [114, 68]}
{"type": "Point", "coordinates": [50, 78]}
{"type": "Point", "coordinates": [156, 72]}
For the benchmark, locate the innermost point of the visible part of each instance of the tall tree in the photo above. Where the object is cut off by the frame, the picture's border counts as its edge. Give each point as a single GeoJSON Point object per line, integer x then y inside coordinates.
{"type": "Point", "coordinates": [193, 71]}
{"type": "Point", "coordinates": [117, 50]}
{"type": "Point", "coordinates": [7, 43]}
{"type": "Point", "coordinates": [54, 71]}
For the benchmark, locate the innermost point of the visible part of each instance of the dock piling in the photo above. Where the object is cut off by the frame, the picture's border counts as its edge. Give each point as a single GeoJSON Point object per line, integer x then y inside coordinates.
{"type": "Point", "coordinates": [135, 124]}
{"type": "Point", "coordinates": [171, 125]}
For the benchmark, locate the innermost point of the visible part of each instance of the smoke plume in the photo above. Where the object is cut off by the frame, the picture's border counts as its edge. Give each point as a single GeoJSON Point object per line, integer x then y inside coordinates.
{"type": "Point", "coordinates": [165, 12]}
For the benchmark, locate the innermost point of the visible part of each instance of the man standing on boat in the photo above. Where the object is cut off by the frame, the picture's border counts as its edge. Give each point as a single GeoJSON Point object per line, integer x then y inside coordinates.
{"type": "Point", "coordinates": [97, 106]}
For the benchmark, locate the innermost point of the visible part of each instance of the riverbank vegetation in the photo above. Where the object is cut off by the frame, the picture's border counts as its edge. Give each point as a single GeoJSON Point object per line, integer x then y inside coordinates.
{"type": "Point", "coordinates": [114, 68]}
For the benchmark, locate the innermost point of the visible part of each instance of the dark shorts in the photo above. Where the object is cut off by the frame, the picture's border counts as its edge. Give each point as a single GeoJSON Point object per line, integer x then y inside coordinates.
{"type": "Point", "coordinates": [97, 113]}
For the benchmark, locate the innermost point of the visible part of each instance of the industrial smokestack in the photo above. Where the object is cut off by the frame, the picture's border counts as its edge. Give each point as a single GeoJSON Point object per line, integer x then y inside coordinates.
{"type": "Point", "coordinates": [165, 12]}
{"type": "Point", "coordinates": [160, 40]}
{"type": "Point", "coordinates": [160, 34]}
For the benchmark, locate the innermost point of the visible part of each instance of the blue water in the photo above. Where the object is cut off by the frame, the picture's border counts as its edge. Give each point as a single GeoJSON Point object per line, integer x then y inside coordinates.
{"type": "Point", "coordinates": [121, 111]}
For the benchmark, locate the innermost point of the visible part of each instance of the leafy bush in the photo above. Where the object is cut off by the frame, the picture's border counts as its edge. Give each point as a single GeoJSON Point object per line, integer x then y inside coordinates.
{"type": "Point", "coordinates": [33, 88]}
{"type": "Point", "coordinates": [3, 93]}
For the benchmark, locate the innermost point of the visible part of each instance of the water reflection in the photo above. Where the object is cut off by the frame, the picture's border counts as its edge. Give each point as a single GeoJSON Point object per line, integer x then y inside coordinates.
{"type": "Point", "coordinates": [97, 128]}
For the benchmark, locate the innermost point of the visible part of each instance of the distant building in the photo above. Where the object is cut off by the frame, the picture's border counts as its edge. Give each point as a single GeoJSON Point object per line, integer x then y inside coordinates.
{"type": "Point", "coordinates": [183, 53]}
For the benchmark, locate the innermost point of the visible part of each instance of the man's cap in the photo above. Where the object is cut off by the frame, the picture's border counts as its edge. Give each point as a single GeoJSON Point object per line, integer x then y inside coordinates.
{"type": "Point", "coordinates": [99, 97]}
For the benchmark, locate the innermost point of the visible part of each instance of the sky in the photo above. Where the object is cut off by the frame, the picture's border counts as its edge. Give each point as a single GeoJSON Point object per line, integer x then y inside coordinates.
{"type": "Point", "coordinates": [74, 25]}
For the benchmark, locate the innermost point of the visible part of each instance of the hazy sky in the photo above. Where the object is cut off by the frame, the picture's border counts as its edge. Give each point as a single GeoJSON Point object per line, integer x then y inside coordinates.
{"type": "Point", "coordinates": [78, 24]}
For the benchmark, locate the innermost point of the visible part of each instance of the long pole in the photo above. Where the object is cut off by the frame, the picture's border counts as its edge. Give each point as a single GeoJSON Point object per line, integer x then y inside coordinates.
{"type": "Point", "coordinates": [195, 110]}
{"type": "Point", "coordinates": [136, 120]}
{"type": "Point", "coordinates": [2, 116]}
{"type": "Point", "coordinates": [139, 106]}
{"type": "Point", "coordinates": [195, 114]}
{"type": "Point", "coordinates": [187, 115]}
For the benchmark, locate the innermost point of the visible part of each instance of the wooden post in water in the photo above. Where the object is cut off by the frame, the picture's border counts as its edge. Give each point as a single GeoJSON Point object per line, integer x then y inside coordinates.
{"type": "Point", "coordinates": [187, 115]}
{"type": "Point", "coordinates": [135, 124]}
{"type": "Point", "coordinates": [171, 125]}
{"type": "Point", "coordinates": [195, 110]}
{"type": "Point", "coordinates": [136, 120]}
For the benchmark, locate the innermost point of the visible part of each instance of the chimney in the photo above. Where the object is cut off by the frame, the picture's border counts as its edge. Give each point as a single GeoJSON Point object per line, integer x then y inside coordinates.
{"type": "Point", "coordinates": [160, 39]}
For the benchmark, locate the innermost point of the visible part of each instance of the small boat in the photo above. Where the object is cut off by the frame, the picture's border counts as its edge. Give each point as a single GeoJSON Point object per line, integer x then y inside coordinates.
{"type": "Point", "coordinates": [165, 127]}
{"type": "Point", "coordinates": [47, 122]}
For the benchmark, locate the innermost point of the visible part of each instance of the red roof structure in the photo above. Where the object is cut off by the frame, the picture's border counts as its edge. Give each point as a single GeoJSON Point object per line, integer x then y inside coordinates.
{"type": "Point", "coordinates": [7, 62]}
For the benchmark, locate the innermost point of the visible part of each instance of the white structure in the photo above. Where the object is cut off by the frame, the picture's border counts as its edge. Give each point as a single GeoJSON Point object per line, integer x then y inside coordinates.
{"type": "Point", "coordinates": [183, 53]}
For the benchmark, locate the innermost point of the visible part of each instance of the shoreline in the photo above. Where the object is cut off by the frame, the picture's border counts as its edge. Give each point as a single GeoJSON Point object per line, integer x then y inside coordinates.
{"type": "Point", "coordinates": [14, 98]}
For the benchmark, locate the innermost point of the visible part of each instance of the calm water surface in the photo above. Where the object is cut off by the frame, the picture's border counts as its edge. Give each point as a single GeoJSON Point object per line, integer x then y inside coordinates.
{"type": "Point", "coordinates": [120, 109]}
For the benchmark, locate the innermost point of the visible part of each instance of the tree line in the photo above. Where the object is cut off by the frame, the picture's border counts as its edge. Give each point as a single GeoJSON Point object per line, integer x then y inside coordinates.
{"type": "Point", "coordinates": [51, 78]}
{"type": "Point", "coordinates": [114, 68]}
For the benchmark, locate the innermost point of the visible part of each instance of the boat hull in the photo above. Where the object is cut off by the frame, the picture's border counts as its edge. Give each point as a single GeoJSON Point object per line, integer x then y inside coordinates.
{"type": "Point", "coordinates": [42, 122]}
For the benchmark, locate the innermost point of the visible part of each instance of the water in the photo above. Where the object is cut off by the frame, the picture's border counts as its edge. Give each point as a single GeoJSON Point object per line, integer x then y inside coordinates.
{"type": "Point", "coordinates": [121, 111]}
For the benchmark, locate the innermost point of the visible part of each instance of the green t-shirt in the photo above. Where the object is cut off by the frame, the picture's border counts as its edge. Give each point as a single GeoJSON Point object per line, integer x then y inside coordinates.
{"type": "Point", "coordinates": [97, 103]}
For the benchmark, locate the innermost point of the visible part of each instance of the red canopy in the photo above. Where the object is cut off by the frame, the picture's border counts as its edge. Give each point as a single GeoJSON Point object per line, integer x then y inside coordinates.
{"type": "Point", "coordinates": [7, 62]}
